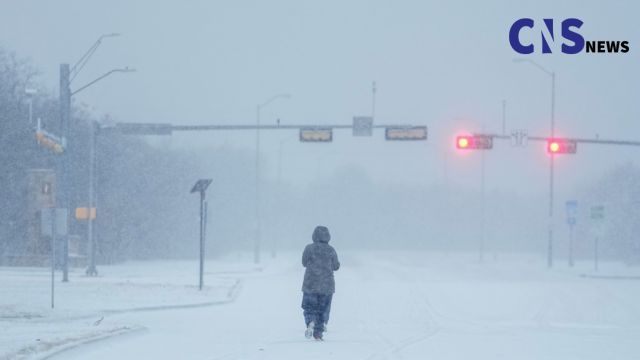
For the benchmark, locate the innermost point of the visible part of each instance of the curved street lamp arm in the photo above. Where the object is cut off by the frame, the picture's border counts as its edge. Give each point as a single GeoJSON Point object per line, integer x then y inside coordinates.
{"type": "Point", "coordinates": [520, 60]}
{"type": "Point", "coordinates": [273, 98]}
{"type": "Point", "coordinates": [102, 77]}
{"type": "Point", "coordinates": [75, 70]}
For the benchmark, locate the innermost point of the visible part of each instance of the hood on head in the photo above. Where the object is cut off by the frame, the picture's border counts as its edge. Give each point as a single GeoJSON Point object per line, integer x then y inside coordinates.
{"type": "Point", "coordinates": [321, 234]}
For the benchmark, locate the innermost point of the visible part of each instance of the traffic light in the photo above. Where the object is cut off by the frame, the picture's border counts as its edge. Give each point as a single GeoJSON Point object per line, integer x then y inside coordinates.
{"type": "Point", "coordinates": [49, 141]}
{"type": "Point", "coordinates": [316, 135]}
{"type": "Point", "coordinates": [474, 142]}
{"type": "Point", "coordinates": [406, 133]}
{"type": "Point", "coordinates": [561, 146]}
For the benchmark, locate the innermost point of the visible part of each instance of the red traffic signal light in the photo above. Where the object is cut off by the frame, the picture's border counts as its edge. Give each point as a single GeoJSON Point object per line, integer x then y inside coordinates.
{"type": "Point", "coordinates": [474, 142]}
{"type": "Point", "coordinates": [462, 142]}
{"type": "Point", "coordinates": [561, 146]}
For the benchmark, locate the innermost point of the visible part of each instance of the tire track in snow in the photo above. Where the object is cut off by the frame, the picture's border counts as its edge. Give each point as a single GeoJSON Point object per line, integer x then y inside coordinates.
{"type": "Point", "coordinates": [419, 303]}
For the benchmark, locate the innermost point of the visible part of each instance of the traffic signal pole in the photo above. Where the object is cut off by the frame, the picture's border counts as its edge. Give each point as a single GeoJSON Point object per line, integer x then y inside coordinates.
{"type": "Point", "coordinates": [554, 146]}
{"type": "Point", "coordinates": [168, 129]}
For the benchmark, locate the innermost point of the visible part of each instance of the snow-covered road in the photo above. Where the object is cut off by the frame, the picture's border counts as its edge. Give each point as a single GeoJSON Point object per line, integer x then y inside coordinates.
{"type": "Point", "coordinates": [400, 305]}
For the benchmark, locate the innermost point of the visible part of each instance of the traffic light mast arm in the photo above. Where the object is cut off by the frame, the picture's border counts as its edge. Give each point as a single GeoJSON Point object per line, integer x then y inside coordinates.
{"type": "Point", "coordinates": [577, 140]}
{"type": "Point", "coordinates": [607, 142]}
{"type": "Point", "coordinates": [272, 127]}
{"type": "Point", "coordinates": [167, 129]}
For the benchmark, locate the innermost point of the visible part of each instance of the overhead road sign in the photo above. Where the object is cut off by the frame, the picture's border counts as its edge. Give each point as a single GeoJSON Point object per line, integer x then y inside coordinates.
{"type": "Point", "coordinates": [362, 126]}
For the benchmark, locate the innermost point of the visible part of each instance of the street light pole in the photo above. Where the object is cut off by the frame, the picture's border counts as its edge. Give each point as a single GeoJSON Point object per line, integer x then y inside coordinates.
{"type": "Point", "coordinates": [552, 74]}
{"type": "Point", "coordinates": [91, 270]}
{"type": "Point", "coordinates": [483, 209]}
{"type": "Point", "coordinates": [551, 171]}
{"type": "Point", "coordinates": [256, 248]}
{"type": "Point", "coordinates": [274, 243]}
{"type": "Point", "coordinates": [67, 75]}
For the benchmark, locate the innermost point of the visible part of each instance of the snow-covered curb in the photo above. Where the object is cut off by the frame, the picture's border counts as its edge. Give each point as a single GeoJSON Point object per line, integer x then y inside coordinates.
{"type": "Point", "coordinates": [231, 297]}
{"type": "Point", "coordinates": [48, 349]}
{"type": "Point", "coordinates": [86, 308]}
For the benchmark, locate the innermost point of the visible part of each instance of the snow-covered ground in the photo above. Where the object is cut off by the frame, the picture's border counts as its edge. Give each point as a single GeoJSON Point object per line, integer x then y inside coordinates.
{"type": "Point", "coordinates": [84, 307]}
{"type": "Point", "coordinates": [407, 305]}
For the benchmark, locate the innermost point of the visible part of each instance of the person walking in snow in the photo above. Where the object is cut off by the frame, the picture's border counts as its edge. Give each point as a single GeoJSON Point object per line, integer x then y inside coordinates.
{"type": "Point", "coordinates": [320, 260]}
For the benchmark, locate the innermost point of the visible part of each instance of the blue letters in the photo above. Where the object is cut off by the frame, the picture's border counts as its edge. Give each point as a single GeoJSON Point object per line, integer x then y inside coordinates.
{"type": "Point", "coordinates": [572, 41]}
{"type": "Point", "coordinates": [567, 33]}
{"type": "Point", "coordinates": [545, 45]}
{"type": "Point", "coordinates": [514, 36]}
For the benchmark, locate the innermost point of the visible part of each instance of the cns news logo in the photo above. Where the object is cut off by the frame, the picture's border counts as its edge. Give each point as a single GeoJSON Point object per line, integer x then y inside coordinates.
{"type": "Point", "coordinates": [566, 32]}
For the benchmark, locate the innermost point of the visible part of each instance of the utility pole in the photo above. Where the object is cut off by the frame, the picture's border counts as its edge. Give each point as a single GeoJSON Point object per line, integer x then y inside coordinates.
{"type": "Point", "coordinates": [63, 167]}
{"type": "Point", "coordinates": [63, 193]}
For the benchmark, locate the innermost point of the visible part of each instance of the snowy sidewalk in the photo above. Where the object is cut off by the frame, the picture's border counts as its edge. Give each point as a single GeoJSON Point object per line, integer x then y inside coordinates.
{"type": "Point", "coordinates": [29, 328]}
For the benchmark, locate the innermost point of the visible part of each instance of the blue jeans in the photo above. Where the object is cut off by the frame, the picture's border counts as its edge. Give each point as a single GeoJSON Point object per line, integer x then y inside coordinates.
{"type": "Point", "coordinates": [316, 308]}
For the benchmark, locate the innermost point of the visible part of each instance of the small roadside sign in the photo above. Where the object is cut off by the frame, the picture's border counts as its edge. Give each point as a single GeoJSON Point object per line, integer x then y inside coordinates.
{"type": "Point", "coordinates": [84, 213]}
{"type": "Point", "coordinates": [572, 211]}
{"type": "Point", "coordinates": [47, 218]}
{"type": "Point", "coordinates": [46, 221]}
{"type": "Point", "coordinates": [597, 212]}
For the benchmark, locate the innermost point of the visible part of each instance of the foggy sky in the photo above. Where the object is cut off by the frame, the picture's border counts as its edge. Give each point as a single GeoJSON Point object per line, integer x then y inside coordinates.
{"type": "Point", "coordinates": [447, 66]}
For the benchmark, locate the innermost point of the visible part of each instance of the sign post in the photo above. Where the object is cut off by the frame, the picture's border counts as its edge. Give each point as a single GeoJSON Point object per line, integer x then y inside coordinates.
{"type": "Point", "coordinates": [48, 228]}
{"type": "Point", "coordinates": [201, 187]}
{"type": "Point", "coordinates": [572, 211]}
{"type": "Point", "coordinates": [53, 223]}
{"type": "Point", "coordinates": [597, 215]}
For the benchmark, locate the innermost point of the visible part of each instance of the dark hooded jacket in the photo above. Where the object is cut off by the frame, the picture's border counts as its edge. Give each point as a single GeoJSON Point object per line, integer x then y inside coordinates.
{"type": "Point", "coordinates": [320, 260]}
